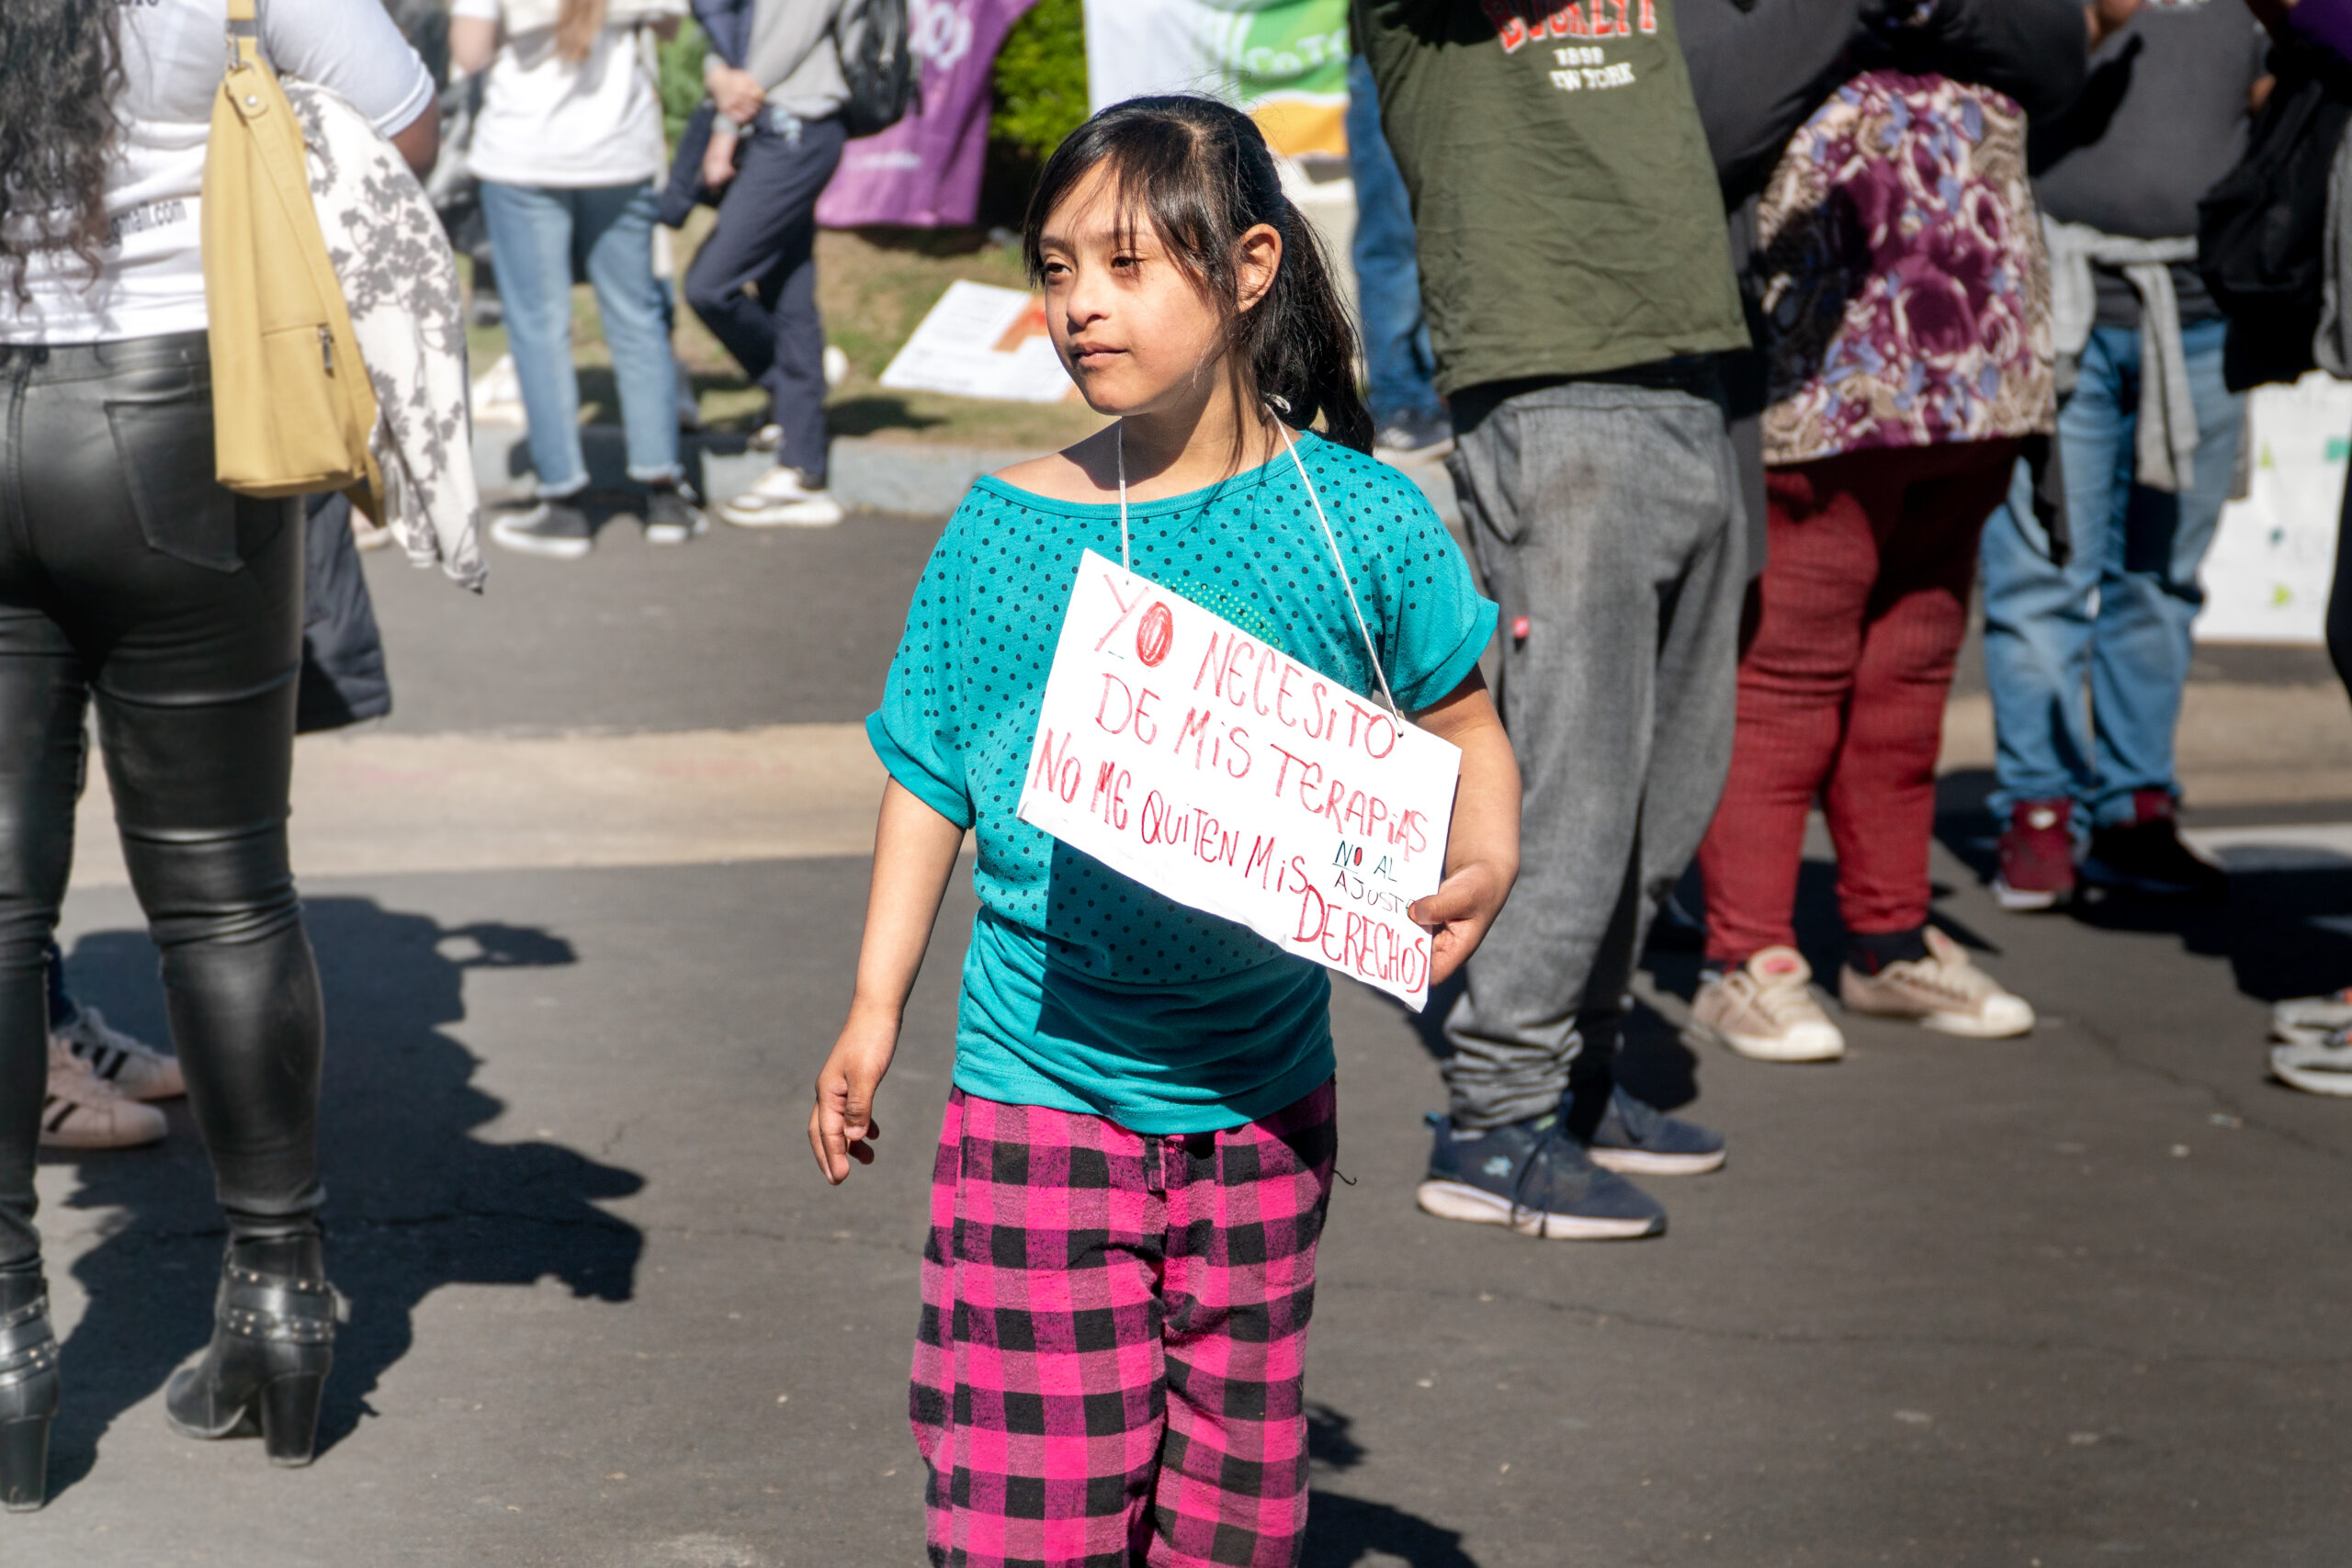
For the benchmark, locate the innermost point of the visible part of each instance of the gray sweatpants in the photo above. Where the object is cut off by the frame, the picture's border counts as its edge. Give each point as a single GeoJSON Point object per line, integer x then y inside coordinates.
{"type": "Point", "coordinates": [1609, 516]}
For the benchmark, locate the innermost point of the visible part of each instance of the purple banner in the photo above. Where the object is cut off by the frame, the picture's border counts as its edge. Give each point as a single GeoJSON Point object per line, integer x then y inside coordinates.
{"type": "Point", "coordinates": [925, 172]}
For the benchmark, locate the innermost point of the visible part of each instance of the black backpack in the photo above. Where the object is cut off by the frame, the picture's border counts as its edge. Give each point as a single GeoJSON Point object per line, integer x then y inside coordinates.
{"type": "Point", "coordinates": [2260, 229]}
{"type": "Point", "coordinates": [878, 63]}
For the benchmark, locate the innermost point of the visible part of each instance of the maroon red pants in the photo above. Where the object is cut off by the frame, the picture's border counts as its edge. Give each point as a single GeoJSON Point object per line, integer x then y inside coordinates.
{"type": "Point", "coordinates": [1846, 655]}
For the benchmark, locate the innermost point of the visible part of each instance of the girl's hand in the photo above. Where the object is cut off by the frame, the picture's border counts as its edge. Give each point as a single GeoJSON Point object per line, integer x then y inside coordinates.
{"type": "Point", "coordinates": [1458, 914]}
{"type": "Point", "coordinates": [719, 159]}
{"type": "Point", "coordinates": [840, 1125]}
{"type": "Point", "coordinates": [914, 852]}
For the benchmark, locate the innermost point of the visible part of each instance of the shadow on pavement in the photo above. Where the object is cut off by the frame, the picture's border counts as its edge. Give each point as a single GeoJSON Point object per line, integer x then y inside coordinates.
{"type": "Point", "coordinates": [2286, 929]}
{"type": "Point", "coordinates": [415, 1201]}
{"type": "Point", "coordinates": [1342, 1531]}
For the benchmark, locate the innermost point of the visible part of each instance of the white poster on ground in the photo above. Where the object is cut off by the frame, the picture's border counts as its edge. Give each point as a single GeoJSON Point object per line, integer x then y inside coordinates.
{"type": "Point", "coordinates": [982, 341]}
{"type": "Point", "coordinates": [2266, 574]}
{"type": "Point", "coordinates": [1180, 751]}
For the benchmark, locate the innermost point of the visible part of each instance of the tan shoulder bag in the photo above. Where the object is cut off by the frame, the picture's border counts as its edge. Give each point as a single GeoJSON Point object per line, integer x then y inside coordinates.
{"type": "Point", "coordinates": [292, 408]}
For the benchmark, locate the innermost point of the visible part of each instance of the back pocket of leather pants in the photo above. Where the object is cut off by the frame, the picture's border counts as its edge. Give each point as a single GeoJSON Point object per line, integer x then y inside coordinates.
{"type": "Point", "coordinates": [167, 464]}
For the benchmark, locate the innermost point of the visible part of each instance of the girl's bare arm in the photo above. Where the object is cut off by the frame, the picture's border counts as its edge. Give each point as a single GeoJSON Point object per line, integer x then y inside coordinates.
{"type": "Point", "coordinates": [914, 854]}
{"type": "Point", "coordinates": [1482, 851]}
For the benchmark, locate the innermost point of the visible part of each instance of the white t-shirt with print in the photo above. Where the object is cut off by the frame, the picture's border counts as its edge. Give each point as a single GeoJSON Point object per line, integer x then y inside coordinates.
{"type": "Point", "coordinates": [151, 279]}
{"type": "Point", "coordinates": [548, 121]}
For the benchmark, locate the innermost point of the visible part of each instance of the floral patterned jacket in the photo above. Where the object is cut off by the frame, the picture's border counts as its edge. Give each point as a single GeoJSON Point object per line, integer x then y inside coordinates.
{"type": "Point", "coordinates": [1900, 271]}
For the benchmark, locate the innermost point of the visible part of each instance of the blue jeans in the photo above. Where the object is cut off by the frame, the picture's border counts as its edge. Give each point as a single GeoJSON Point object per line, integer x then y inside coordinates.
{"type": "Point", "coordinates": [1397, 361]}
{"type": "Point", "coordinates": [537, 233]}
{"type": "Point", "coordinates": [2118, 614]}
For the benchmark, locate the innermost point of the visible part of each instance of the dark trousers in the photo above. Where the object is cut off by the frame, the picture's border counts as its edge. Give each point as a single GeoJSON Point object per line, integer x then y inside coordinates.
{"type": "Point", "coordinates": [753, 283]}
{"type": "Point", "coordinates": [127, 575]}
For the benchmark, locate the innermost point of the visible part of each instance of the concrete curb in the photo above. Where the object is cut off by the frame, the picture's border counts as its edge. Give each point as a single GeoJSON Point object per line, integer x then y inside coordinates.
{"type": "Point", "coordinates": [867, 475]}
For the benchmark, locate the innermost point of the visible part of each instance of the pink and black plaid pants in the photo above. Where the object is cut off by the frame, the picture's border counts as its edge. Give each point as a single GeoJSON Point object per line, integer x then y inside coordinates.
{"type": "Point", "coordinates": [1111, 1361]}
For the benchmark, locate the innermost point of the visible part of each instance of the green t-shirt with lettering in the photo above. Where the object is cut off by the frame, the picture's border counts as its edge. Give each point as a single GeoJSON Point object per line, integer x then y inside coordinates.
{"type": "Point", "coordinates": [1566, 208]}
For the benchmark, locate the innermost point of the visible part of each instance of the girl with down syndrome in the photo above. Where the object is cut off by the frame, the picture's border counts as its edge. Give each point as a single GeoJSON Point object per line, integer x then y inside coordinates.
{"type": "Point", "coordinates": [1137, 1155]}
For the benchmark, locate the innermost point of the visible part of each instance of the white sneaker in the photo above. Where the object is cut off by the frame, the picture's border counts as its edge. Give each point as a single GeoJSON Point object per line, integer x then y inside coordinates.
{"type": "Point", "coordinates": [780, 500]}
{"type": "Point", "coordinates": [2312, 1020]}
{"type": "Point", "coordinates": [2314, 1069]}
{"type": "Point", "coordinates": [135, 1067]}
{"type": "Point", "coordinates": [85, 1112]}
{"type": "Point", "coordinates": [1766, 1009]}
{"type": "Point", "coordinates": [1942, 991]}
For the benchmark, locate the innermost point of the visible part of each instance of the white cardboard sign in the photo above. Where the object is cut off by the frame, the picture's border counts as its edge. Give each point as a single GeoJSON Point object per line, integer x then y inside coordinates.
{"type": "Point", "coordinates": [1180, 752]}
{"type": "Point", "coordinates": [982, 341]}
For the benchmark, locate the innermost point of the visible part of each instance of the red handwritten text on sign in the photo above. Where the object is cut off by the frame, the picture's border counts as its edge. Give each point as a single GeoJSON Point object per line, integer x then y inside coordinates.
{"type": "Point", "coordinates": [1181, 752]}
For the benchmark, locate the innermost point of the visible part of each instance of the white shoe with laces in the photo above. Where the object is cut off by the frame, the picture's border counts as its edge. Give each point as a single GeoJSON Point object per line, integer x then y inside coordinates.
{"type": "Point", "coordinates": [1942, 991]}
{"type": "Point", "coordinates": [1765, 1009]}
{"type": "Point", "coordinates": [2314, 1069]}
{"type": "Point", "coordinates": [2311, 1020]}
{"type": "Point", "coordinates": [131, 1065]}
{"type": "Point", "coordinates": [85, 1112]}
{"type": "Point", "coordinates": [781, 499]}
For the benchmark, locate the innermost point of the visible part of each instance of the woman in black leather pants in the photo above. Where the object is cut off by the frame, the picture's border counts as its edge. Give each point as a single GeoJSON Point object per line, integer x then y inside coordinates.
{"type": "Point", "coordinates": [129, 577]}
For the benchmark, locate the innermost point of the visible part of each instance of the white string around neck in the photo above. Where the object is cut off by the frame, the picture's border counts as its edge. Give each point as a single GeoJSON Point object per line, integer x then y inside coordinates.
{"type": "Point", "coordinates": [1119, 445]}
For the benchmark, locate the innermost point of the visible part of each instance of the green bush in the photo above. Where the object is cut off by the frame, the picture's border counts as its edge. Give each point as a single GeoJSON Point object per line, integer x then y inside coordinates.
{"type": "Point", "coordinates": [681, 60]}
{"type": "Point", "coordinates": [1040, 80]}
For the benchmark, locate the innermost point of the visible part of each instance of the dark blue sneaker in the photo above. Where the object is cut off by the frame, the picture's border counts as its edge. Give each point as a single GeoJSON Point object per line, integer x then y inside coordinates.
{"type": "Point", "coordinates": [1642, 1140]}
{"type": "Point", "coordinates": [1535, 1178]}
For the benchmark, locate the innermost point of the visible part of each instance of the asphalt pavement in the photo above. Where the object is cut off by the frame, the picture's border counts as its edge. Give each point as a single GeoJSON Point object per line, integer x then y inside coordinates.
{"type": "Point", "coordinates": [2078, 1298]}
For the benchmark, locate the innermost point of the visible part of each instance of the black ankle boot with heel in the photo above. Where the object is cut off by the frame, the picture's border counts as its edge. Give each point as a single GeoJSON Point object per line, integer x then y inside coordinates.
{"type": "Point", "coordinates": [27, 1388]}
{"type": "Point", "coordinates": [273, 1341]}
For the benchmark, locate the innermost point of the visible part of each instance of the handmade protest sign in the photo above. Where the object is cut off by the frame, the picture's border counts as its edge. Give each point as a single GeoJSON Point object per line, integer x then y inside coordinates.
{"type": "Point", "coordinates": [1180, 752]}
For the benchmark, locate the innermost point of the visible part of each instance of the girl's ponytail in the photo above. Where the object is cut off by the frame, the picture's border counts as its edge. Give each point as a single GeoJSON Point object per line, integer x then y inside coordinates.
{"type": "Point", "coordinates": [1305, 353]}
{"type": "Point", "coordinates": [1199, 174]}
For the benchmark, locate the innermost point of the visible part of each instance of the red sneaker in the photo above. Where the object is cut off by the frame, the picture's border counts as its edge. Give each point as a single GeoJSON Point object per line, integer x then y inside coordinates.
{"type": "Point", "coordinates": [2037, 856]}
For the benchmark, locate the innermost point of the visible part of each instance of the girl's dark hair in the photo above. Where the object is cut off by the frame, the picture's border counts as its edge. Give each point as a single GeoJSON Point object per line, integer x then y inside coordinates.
{"type": "Point", "coordinates": [57, 130]}
{"type": "Point", "coordinates": [1200, 175]}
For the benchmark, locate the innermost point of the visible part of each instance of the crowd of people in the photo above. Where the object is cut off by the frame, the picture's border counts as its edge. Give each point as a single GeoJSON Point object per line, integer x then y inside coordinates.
{"type": "Point", "coordinates": [1755, 333]}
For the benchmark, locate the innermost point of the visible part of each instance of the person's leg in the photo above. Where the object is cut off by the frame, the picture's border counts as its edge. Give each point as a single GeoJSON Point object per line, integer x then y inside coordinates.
{"type": "Point", "coordinates": [2339, 596]}
{"type": "Point", "coordinates": [1880, 802]}
{"type": "Point", "coordinates": [531, 230]}
{"type": "Point", "coordinates": [62, 1008]}
{"type": "Point", "coordinates": [616, 234]}
{"type": "Point", "coordinates": [2149, 595]}
{"type": "Point", "coordinates": [196, 709]}
{"type": "Point", "coordinates": [764, 236]}
{"type": "Point", "coordinates": [1397, 367]}
{"type": "Point", "coordinates": [1244, 1212]}
{"type": "Point", "coordinates": [1881, 798]}
{"type": "Point", "coordinates": [1590, 506]}
{"type": "Point", "coordinates": [1038, 1391]}
{"type": "Point", "coordinates": [1796, 673]}
{"type": "Point", "coordinates": [42, 694]}
{"type": "Point", "coordinates": [2038, 616]}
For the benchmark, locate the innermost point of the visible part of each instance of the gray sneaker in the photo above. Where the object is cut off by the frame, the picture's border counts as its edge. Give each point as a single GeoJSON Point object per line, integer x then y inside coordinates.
{"type": "Point", "coordinates": [672, 515]}
{"type": "Point", "coordinates": [1534, 1178]}
{"type": "Point", "coordinates": [555, 529]}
